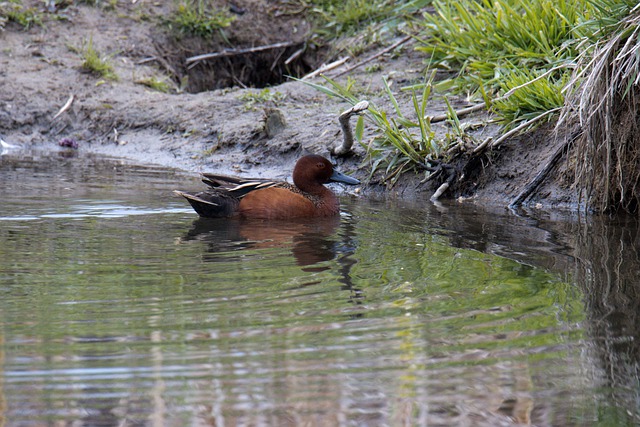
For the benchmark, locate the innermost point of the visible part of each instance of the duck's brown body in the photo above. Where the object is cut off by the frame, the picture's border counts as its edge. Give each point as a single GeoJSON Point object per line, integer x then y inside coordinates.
{"type": "Point", "coordinates": [259, 198]}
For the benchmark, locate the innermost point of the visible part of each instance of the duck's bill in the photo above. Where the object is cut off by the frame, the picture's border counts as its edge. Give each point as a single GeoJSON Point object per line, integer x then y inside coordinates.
{"type": "Point", "coordinates": [340, 177]}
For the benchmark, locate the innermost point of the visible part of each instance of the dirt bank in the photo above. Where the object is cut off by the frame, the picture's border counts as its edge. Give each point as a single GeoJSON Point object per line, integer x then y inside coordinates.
{"type": "Point", "coordinates": [220, 129]}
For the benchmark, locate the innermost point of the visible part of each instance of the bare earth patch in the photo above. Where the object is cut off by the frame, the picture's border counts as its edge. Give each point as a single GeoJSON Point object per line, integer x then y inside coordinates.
{"type": "Point", "coordinates": [209, 128]}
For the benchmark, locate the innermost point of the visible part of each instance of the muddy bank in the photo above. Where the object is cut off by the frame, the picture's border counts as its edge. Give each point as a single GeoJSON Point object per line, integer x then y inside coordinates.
{"type": "Point", "coordinates": [223, 130]}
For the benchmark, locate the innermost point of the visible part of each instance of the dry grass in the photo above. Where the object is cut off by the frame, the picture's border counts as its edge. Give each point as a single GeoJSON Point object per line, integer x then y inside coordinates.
{"type": "Point", "coordinates": [604, 100]}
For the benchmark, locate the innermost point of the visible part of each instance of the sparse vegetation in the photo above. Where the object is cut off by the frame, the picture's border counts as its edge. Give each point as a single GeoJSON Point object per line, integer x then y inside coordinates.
{"type": "Point", "coordinates": [341, 17]}
{"type": "Point", "coordinates": [95, 64]}
{"type": "Point", "coordinates": [266, 95]}
{"type": "Point", "coordinates": [199, 18]}
{"type": "Point", "coordinates": [14, 11]}
{"type": "Point", "coordinates": [401, 143]}
{"type": "Point", "coordinates": [158, 84]}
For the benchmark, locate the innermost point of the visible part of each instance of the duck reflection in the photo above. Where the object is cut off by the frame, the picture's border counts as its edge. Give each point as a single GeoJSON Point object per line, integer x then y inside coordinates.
{"type": "Point", "coordinates": [311, 242]}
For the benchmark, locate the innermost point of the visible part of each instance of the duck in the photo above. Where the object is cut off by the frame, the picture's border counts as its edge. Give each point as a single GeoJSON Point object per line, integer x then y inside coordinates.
{"type": "Point", "coordinates": [307, 197]}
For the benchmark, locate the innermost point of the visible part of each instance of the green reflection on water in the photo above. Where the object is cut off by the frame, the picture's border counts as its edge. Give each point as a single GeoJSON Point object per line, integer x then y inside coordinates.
{"type": "Point", "coordinates": [374, 318]}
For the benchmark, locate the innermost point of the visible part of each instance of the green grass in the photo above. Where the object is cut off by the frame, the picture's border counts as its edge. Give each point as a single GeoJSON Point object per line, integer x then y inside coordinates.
{"type": "Point", "coordinates": [157, 84]}
{"type": "Point", "coordinates": [520, 47]}
{"type": "Point", "coordinates": [496, 45]}
{"type": "Point", "coordinates": [530, 95]}
{"type": "Point", "coordinates": [199, 18]}
{"type": "Point", "coordinates": [514, 56]}
{"type": "Point", "coordinates": [485, 40]}
{"type": "Point", "coordinates": [95, 64]}
{"type": "Point", "coordinates": [14, 11]}
{"type": "Point", "coordinates": [266, 95]}
{"type": "Point", "coordinates": [339, 17]}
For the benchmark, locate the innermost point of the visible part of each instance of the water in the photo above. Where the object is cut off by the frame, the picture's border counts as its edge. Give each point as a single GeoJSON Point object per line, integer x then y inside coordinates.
{"type": "Point", "coordinates": [119, 307]}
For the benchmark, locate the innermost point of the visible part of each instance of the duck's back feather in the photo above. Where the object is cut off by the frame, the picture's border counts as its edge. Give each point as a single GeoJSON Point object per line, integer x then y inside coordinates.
{"type": "Point", "coordinates": [239, 187]}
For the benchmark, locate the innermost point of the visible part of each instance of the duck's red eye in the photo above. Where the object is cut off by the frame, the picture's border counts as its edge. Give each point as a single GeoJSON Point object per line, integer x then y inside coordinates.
{"type": "Point", "coordinates": [320, 165]}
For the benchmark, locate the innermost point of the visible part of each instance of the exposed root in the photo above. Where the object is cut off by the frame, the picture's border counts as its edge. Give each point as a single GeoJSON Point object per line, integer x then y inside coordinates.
{"type": "Point", "coordinates": [437, 170]}
{"type": "Point", "coordinates": [344, 149]}
{"type": "Point", "coordinates": [532, 186]}
{"type": "Point", "coordinates": [605, 103]}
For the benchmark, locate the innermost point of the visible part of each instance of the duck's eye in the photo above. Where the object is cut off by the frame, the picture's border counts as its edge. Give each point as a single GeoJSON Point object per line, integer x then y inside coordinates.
{"type": "Point", "coordinates": [320, 165]}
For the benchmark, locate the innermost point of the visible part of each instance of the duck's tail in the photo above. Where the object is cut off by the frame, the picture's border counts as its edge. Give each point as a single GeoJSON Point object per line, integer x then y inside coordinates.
{"type": "Point", "coordinates": [210, 205]}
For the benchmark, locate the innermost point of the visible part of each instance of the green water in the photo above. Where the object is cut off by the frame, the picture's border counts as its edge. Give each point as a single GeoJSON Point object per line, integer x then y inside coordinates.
{"type": "Point", "coordinates": [119, 307]}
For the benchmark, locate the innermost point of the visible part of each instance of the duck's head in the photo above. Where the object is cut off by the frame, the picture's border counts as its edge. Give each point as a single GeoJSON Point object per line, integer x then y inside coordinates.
{"type": "Point", "coordinates": [312, 171]}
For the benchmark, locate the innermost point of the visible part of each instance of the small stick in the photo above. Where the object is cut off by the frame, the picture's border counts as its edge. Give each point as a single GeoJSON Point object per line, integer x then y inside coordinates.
{"type": "Point", "coordinates": [439, 191]}
{"type": "Point", "coordinates": [147, 59]}
{"type": "Point", "coordinates": [451, 175]}
{"type": "Point", "coordinates": [519, 128]}
{"type": "Point", "coordinates": [482, 146]}
{"type": "Point", "coordinates": [377, 55]}
{"type": "Point", "coordinates": [294, 55]}
{"type": "Point", "coordinates": [235, 52]}
{"type": "Point", "coordinates": [460, 113]}
{"type": "Point", "coordinates": [326, 67]}
{"type": "Point", "coordinates": [65, 107]}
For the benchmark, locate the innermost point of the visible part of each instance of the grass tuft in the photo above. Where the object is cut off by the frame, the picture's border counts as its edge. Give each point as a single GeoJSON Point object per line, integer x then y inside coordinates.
{"type": "Point", "coordinates": [95, 64]}
{"type": "Point", "coordinates": [157, 84]}
{"type": "Point", "coordinates": [487, 40]}
{"type": "Point", "coordinates": [402, 141]}
{"type": "Point", "coordinates": [343, 17]}
{"type": "Point", "coordinates": [250, 99]}
{"type": "Point", "coordinates": [530, 95]}
{"type": "Point", "coordinates": [199, 18]}
{"type": "Point", "coordinates": [13, 11]}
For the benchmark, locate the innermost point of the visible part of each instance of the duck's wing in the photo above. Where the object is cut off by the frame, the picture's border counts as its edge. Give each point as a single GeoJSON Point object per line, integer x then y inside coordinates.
{"type": "Point", "coordinates": [238, 187]}
{"type": "Point", "coordinates": [211, 204]}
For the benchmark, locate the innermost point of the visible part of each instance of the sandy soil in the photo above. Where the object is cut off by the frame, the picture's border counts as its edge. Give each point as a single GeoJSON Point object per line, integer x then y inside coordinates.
{"type": "Point", "coordinates": [216, 130]}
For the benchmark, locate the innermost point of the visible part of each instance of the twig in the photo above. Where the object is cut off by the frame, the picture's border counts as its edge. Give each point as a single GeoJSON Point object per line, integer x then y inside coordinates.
{"type": "Point", "coordinates": [522, 126]}
{"type": "Point", "coordinates": [326, 67]}
{"type": "Point", "coordinates": [147, 59]}
{"type": "Point", "coordinates": [65, 107]}
{"type": "Point", "coordinates": [540, 177]}
{"type": "Point", "coordinates": [377, 55]}
{"type": "Point", "coordinates": [482, 146]}
{"type": "Point", "coordinates": [460, 113]}
{"type": "Point", "coordinates": [165, 64]}
{"type": "Point", "coordinates": [235, 52]}
{"type": "Point", "coordinates": [451, 175]}
{"type": "Point", "coordinates": [295, 55]}
{"type": "Point", "coordinates": [345, 123]}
